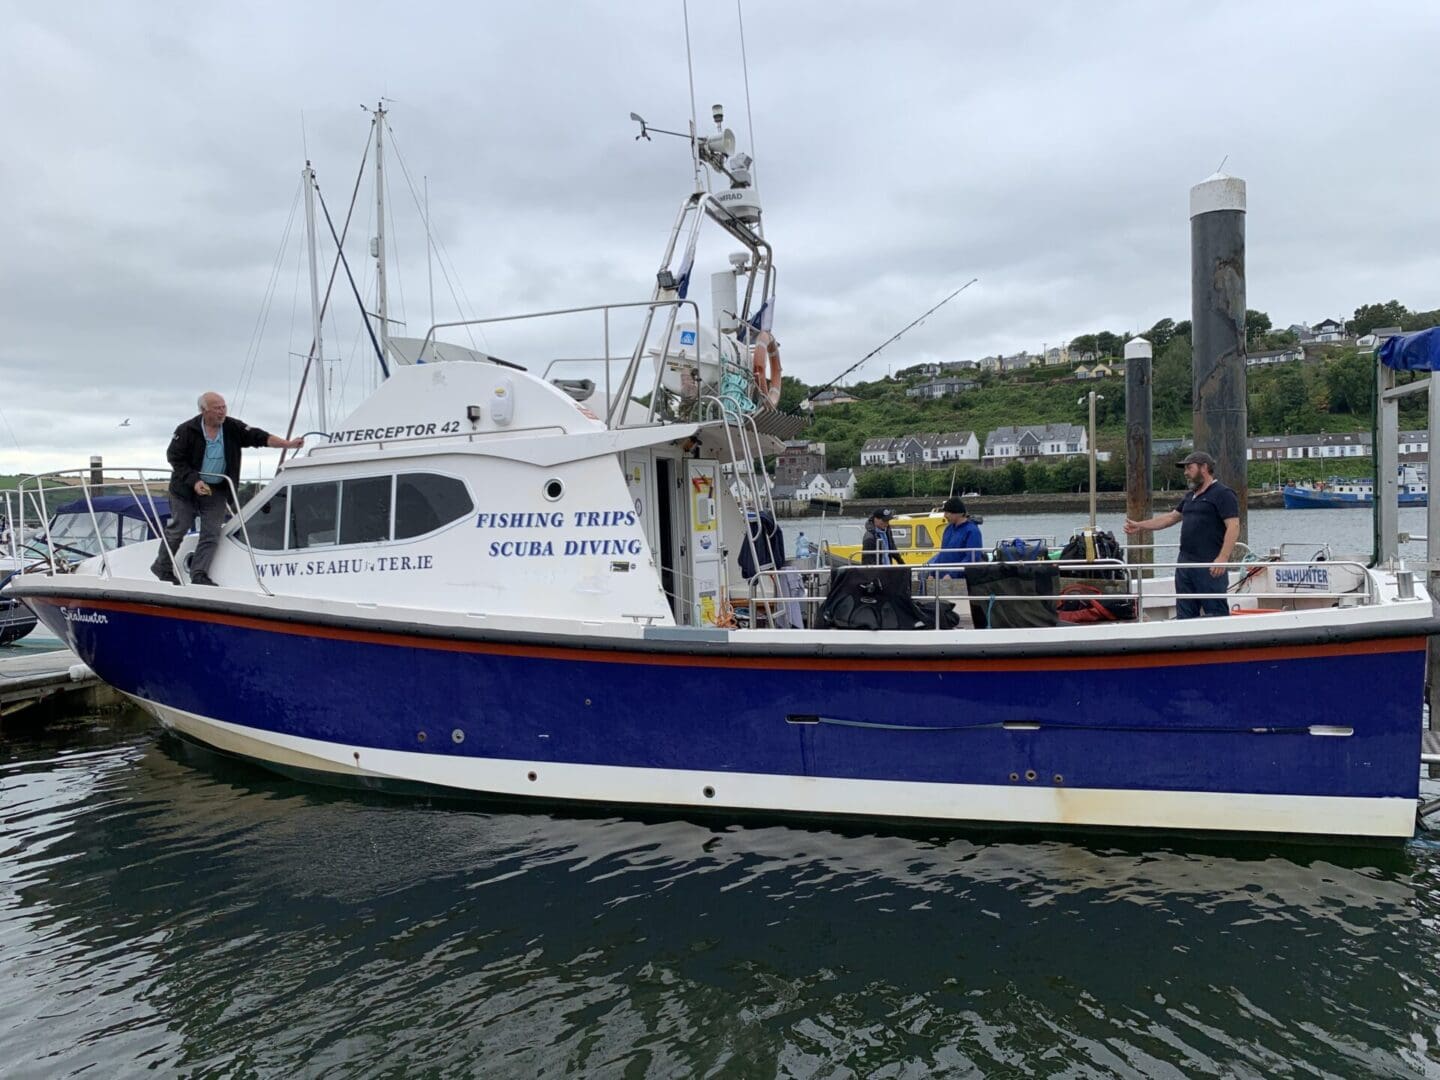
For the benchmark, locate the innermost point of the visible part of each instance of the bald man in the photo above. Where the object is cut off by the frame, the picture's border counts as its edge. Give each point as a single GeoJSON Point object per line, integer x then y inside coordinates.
{"type": "Point", "coordinates": [204, 453]}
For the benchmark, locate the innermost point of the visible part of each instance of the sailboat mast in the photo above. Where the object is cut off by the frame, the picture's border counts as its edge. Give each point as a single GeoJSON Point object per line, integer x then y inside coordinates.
{"type": "Point", "coordinates": [382, 306]}
{"type": "Point", "coordinates": [429, 252]}
{"type": "Point", "coordinates": [316, 352]}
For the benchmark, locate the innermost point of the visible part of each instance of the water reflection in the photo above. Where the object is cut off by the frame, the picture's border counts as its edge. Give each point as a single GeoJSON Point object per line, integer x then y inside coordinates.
{"type": "Point", "coordinates": [203, 917]}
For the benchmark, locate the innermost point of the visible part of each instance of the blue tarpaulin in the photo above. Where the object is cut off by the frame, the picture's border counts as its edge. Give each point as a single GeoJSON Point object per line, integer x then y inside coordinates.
{"type": "Point", "coordinates": [1419, 351]}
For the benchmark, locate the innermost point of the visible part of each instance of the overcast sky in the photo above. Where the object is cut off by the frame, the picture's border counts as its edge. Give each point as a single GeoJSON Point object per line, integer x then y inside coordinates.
{"type": "Point", "coordinates": [153, 153]}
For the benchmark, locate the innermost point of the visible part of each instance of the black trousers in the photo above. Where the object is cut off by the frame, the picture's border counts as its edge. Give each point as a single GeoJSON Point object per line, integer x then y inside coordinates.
{"type": "Point", "coordinates": [211, 510]}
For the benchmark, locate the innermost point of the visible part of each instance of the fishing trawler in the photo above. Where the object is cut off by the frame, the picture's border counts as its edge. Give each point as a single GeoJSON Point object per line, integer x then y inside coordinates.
{"type": "Point", "coordinates": [1339, 494]}
{"type": "Point", "coordinates": [486, 580]}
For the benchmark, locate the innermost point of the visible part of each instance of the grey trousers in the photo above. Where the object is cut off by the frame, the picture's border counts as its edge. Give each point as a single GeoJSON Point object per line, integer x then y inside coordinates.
{"type": "Point", "coordinates": [211, 510]}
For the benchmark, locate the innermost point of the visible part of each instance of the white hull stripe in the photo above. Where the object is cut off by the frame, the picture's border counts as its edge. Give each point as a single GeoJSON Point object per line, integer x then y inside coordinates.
{"type": "Point", "coordinates": [1019, 804]}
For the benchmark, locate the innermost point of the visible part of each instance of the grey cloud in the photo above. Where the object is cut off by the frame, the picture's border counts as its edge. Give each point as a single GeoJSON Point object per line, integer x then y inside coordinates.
{"type": "Point", "coordinates": [901, 148]}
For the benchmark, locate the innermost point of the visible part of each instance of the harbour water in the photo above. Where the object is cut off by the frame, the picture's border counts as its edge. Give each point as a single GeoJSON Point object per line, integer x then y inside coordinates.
{"type": "Point", "coordinates": [1300, 533]}
{"type": "Point", "coordinates": [167, 912]}
{"type": "Point", "coordinates": [164, 911]}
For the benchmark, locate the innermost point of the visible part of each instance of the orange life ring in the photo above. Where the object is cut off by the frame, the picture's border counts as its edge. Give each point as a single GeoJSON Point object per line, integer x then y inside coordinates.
{"type": "Point", "coordinates": [765, 359]}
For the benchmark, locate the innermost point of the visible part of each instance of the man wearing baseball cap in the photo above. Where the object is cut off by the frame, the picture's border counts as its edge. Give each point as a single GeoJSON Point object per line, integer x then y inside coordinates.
{"type": "Point", "coordinates": [878, 546]}
{"type": "Point", "coordinates": [1210, 524]}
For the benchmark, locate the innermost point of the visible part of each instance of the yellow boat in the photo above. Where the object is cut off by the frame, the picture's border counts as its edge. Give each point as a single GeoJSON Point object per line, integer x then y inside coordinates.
{"type": "Point", "coordinates": [917, 536]}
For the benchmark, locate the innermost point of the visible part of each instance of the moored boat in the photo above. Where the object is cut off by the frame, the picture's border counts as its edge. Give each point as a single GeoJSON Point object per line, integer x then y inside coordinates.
{"type": "Point", "coordinates": [1340, 494]}
{"type": "Point", "coordinates": [480, 583]}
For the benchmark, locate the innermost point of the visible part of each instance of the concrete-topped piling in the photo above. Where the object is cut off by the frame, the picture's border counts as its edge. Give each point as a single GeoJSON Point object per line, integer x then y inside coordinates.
{"type": "Point", "coordinates": [1217, 320]}
{"type": "Point", "coordinates": [1139, 466]}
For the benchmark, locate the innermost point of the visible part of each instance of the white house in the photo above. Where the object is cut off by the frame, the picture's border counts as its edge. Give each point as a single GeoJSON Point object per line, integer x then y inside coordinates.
{"type": "Point", "coordinates": [839, 484]}
{"type": "Point", "coordinates": [1326, 330]}
{"type": "Point", "coordinates": [825, 398]}
{"type": "Point", "coordinates": [878, 452]}
{"type": "Point", "coordinates": [944, 387]}
{"type": "Point", "coordinates": [922, 448]}
{"type": "Point", "coordinates": [1377, 337]}
{"type": "Point", "coordinates": [1265, 357]}
{"type": "Point", "coordinates": [1006, 444]}
{"type": "Point", "coordinates": [1320, 445]}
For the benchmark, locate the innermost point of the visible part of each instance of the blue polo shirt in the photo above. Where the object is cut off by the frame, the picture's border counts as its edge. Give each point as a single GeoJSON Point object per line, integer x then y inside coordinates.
{"type": "Point", "coordinates": [212, 466]}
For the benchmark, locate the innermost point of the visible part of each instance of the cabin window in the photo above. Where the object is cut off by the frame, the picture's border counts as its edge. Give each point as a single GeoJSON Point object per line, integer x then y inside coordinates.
{"type": "Point", "coordinates": [74, 533]}
{"type": "Point", "coordinates": [922, 537]}
{"type": "Point", "coordinates": [133, 530]}
{"type": "Point", "coordinates": [901, 535]}
{"type": "Point", "coordinates": [424, 502]}
{"type": "Point", "coordinates": [266, 526]}
{"type": "Point", "coordinates": [365, 510]}
{"type": "Point", "coordinates": [361, 510]}
{"type": "Point", "coordinates": [314, 509]}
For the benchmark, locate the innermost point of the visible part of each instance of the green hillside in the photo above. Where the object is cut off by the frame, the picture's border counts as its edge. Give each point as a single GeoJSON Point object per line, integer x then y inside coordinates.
{"type": "Point", "coordinates": [1332, 390]}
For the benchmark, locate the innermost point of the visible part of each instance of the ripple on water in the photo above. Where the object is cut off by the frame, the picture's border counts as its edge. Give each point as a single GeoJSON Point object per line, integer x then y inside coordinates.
{"type": "Point", "coordinates": [168, 911]}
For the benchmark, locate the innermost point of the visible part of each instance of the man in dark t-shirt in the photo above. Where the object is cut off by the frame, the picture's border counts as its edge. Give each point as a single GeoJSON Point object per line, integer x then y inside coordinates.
{"type": "Point", "coordinates": [1210, 524]}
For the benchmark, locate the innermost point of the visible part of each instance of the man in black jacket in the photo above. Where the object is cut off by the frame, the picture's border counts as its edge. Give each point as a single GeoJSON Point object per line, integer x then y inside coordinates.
{"type": "Point", "coordinates": [204, 452]}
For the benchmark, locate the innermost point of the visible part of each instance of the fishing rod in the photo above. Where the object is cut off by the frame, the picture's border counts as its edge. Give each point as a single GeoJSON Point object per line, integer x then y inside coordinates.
{"type": "Point", "coordinates": [891, 339]}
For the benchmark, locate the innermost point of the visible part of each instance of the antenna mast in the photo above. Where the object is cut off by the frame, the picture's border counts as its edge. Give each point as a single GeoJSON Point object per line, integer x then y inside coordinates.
{"type": "Point", "coordinates": [382, 306]}
{"type": "Point", "coordinates": [316, 352]}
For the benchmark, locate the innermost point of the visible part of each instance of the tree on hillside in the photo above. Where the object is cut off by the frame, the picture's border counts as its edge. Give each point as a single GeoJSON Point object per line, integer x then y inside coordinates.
{"type": "Point", "coordinates": [1420, 320]}
{"type": "Point", "coordinates": [1085, 343]}
{"type": "Point", "coordinates": [1257, 325]}
{"type": "Point", "coordinates": [792, 392]}
{"type": "Point", "coordinates": [1350, 381]}
{"type": "Point", "coordinates": [1370, 317]}
{"type": "Point", "coordinates": [1279, 339]}
{"type": "Point", "coordinates": [1109, 344]}
{"type": "Point", "coordinates": [1173, 384]}
{"type": "Point", "coordinates": [1160, 334]}
{"type": "Point", "coordinates": [1182, 329]}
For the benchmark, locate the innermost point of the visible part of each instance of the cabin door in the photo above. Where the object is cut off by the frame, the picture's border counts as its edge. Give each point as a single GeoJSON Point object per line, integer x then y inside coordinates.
{"type": "Point", "coordinates": [706, 560]}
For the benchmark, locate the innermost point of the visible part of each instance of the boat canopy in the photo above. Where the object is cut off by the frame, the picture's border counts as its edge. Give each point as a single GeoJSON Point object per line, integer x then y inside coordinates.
{"type": "Point", "coordinates": [122, 505]}
{"type": "Point", "coordinates": [1419, 351]}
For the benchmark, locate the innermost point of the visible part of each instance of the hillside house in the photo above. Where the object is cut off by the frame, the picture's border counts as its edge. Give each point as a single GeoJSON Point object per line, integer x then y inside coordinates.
{"type": "Point", "coordinates": [943, 387]}
{"type": "Point", "coordinates": [825, 398]}
{"type": "Point", "coordinates": [1035, 443]}
{"type": "Point", "coordinates": [1265, 357]}
{"type": "Point", "coordinates": [799, 459]}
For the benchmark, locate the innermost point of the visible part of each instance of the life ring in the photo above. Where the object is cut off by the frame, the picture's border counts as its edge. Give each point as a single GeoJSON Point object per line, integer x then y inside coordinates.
{"type": "Point", "coordinates": [765, 359]}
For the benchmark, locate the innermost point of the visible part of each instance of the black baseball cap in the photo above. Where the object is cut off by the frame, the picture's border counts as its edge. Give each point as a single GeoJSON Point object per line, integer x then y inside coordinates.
{"type": "Point", "coordinates": [885, 513]}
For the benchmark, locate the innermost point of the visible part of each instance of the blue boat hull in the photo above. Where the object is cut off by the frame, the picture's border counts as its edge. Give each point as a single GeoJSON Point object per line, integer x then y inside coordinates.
{"type": "Point", "coordinates": [1311, 499]}
{"type": "Point", "coordinates": [1225, 721]}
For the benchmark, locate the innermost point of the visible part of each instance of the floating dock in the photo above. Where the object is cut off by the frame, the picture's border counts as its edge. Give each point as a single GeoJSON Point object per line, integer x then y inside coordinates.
{"type": "Point", "coordinates": [54, 678]}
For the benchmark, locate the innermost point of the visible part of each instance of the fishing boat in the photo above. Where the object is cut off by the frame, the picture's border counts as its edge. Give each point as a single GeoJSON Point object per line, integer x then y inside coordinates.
{"type": "Point", "coordinates": [1339, 494]}
{"type": "Point", "coordinates": [916, 536]}
{"type": "Point", "coordinates": [488, 581]}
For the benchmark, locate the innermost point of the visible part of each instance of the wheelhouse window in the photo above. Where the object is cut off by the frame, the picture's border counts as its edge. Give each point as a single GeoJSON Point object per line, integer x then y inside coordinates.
{"type": "Point", "coordinates": [424, 502]}
{"type": "Point", "coordinates": [357, 510]}
{"type": "Point", "coordinates": [314, 514]}
{"type": "Point", "coordinates": [365, 510]}
{"type": "Point", "coordinates": [266, 525]}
